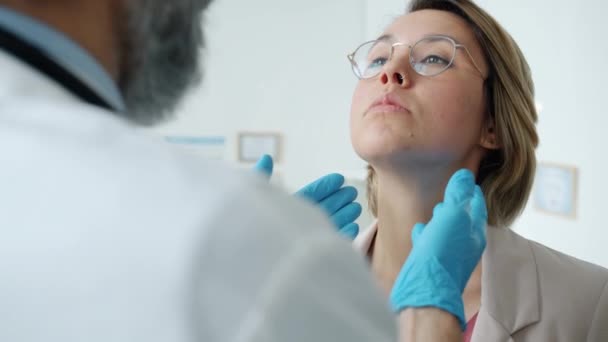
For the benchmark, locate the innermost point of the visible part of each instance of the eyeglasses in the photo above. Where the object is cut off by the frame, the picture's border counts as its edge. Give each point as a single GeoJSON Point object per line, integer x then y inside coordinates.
{"type": "Point", "coordinates": [430, 56]}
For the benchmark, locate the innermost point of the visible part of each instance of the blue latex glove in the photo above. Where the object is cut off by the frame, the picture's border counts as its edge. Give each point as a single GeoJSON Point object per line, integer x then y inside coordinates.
{"type": "Point", "coordinates": [337, 201]}
{"type": "Point", "coordinates": [264, 166]}
{"type": "Point", "coordinates": [328, 193]}
{"type": "Point", "coordinates": [445, 251]}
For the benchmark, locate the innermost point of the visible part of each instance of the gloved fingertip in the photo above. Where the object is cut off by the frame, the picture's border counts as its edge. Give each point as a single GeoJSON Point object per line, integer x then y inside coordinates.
{"type": "Point", "coordinates": [357, 208]}
{"type": "Point", "coordinates": [264, 165]}
{"type": "Point", "coordinates": [416, 231]}
{"type": "Point", "coordinates": [465, 174]}
{"type": "Point", "coordinates": [478, 204]}
{"type": "Point", "coordinates": [322, 187]}
{"type": "Point", "coordinates": [349, 192]}
{"type": "Point", "coordinates": [338, 198]}
{"type": "Point", "coordinates": [346, 215]}
{"type": "Point", "coordinates": [336, 177]}
{"type": "Point", "coordinates": [460, 187]}
{"type": "Point", "coordinates": [437, 208]}
{"type": "Point", "coordinates": [350, 231]}
{"type": "Point", "coordinates": [479, 212]}
{"type": "Point", "coordinates": [332, 182]}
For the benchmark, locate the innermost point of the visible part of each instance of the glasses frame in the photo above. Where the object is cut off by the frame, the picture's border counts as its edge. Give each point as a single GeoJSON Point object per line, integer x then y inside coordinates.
{"type": "Point", "coordinates": [351, 56]}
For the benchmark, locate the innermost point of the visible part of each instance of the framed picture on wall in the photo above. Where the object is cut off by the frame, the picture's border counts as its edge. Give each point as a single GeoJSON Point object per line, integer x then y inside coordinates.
{"type": "Point", "coordinates": [210, 147]}
{"type": "Point", "coordinates": [252, 145]}
{"type": "Point", "coordinates": [556, 189]}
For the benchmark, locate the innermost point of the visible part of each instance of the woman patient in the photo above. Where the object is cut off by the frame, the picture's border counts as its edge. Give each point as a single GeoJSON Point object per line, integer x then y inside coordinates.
{"type": "Point", "coordinates": [445, 88]}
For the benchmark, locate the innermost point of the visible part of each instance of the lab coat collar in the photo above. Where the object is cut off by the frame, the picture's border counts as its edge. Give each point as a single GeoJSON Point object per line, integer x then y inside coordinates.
{"type": "Point", "coordinates": [55, 56]}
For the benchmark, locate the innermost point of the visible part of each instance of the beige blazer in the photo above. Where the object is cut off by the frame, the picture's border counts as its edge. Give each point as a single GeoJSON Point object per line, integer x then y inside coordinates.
{"type": "Point", "coordinates": [531, 293]}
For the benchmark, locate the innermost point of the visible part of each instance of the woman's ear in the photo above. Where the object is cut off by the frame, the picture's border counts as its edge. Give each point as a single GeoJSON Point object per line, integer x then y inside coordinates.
{"type": "Point", "coordinates": [488, 138]}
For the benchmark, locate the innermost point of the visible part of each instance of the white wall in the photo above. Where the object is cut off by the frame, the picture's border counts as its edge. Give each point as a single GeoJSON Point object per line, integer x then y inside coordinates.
{"type": "Point", "coordinates": [280, 65]}
{"type": "Point", "coordinates": [380, 13]}
{"type": "Point", "coordinates": [564, 42]}
{"type": "Point", "coordinates": [277, 65]}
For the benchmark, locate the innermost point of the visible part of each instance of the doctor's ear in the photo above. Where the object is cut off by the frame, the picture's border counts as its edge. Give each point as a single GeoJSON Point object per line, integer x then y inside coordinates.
{"type": "Point", "coordinates": [488, 138]}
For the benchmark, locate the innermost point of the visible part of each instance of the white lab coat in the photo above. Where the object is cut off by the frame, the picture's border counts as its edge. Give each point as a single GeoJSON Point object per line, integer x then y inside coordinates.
{"type": "Point", "coordinates": [108, 236]}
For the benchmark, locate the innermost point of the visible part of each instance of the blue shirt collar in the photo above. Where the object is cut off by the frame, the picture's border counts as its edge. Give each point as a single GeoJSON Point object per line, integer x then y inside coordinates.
{"type": "Point", "coordinates": [65, 52]}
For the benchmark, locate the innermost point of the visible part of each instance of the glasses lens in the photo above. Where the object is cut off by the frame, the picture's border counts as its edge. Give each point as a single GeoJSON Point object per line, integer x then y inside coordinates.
{"type": "Point", "coordinates": [432, 55]}
{"type": "Point", "coordinates": [370, 57]}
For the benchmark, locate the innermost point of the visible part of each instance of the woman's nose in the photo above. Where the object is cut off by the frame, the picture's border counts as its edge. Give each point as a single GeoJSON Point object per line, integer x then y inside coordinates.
{"type": "Point", "coordinates": [398, 78]}
{"type": "Point", "coordinates": [395, 72]}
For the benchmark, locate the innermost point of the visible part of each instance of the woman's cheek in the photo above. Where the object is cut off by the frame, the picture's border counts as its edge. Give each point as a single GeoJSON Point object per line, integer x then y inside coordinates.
{"type": "Point", "coordinates": [358, 107]}
{"type": "Point", "coordinates": [359, 97]}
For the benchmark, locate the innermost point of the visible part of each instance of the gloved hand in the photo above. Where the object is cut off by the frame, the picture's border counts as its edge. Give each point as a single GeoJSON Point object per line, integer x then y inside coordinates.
{"type": "Point", "coordinates": [328, 193]}
{"type": "Point", "coordinates": [445, 251]}
{"type": "Point", "coordinates": [264, 166]}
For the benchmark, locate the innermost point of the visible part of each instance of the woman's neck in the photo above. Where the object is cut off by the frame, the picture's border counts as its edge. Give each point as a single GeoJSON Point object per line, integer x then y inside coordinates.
{"type": "Point", "coordinates": [403, 200]}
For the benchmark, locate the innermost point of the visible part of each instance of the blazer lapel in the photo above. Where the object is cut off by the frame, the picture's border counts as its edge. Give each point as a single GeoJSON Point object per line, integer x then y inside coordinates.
{"type": "Point", "coordinates": [487, 329]}
{"type": "Point", "coordinates": [509, 284]}
{"type": "Point", "coordinates": [509, 289]}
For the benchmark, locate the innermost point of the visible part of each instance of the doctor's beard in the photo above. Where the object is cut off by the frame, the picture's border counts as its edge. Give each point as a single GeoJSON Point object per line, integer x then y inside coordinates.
{"type": "Point", "coordinates": [161, 44]}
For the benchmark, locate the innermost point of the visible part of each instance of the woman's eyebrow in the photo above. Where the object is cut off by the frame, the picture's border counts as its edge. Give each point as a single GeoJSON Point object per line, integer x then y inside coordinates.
{"type": "Point", "coordinates": [386, 36]}
{"type": "Point", "coordinates": [443, 35]}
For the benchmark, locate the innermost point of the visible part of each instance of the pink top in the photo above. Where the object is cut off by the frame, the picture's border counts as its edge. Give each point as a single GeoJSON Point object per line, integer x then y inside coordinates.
{"type": "Point", "coordinates": [470, 326]}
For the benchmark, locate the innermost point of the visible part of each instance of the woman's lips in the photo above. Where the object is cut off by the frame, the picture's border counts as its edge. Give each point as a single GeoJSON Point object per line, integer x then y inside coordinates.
{"type": "Point", "coordinates": [387, 108]}
{"type": "Point", "coordinates": [387, 104]}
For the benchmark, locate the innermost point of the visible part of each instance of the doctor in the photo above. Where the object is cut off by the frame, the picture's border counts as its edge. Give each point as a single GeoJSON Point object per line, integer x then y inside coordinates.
{"type": "Point", "coordinates": [106, 236]}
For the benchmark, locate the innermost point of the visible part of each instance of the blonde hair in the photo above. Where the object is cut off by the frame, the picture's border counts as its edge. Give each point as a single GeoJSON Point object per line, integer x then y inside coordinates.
{"type": "Point", "coordinates": [506, 174]}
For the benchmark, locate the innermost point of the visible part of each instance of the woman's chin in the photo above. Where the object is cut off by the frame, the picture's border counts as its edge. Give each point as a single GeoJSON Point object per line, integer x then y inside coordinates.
{"type": "Point", "coordinates": [380, 148]}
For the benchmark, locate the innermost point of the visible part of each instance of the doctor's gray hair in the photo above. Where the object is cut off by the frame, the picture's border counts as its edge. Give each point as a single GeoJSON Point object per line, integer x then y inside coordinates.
{"type": "Point", "coordinates": [161, 43]}
{"type": "Point", "coordinates": [506, 174]}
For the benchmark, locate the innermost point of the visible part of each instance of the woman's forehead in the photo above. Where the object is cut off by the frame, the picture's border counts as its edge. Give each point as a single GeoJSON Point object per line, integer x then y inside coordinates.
{"type": "Point", "coordinates": [411, 27]}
